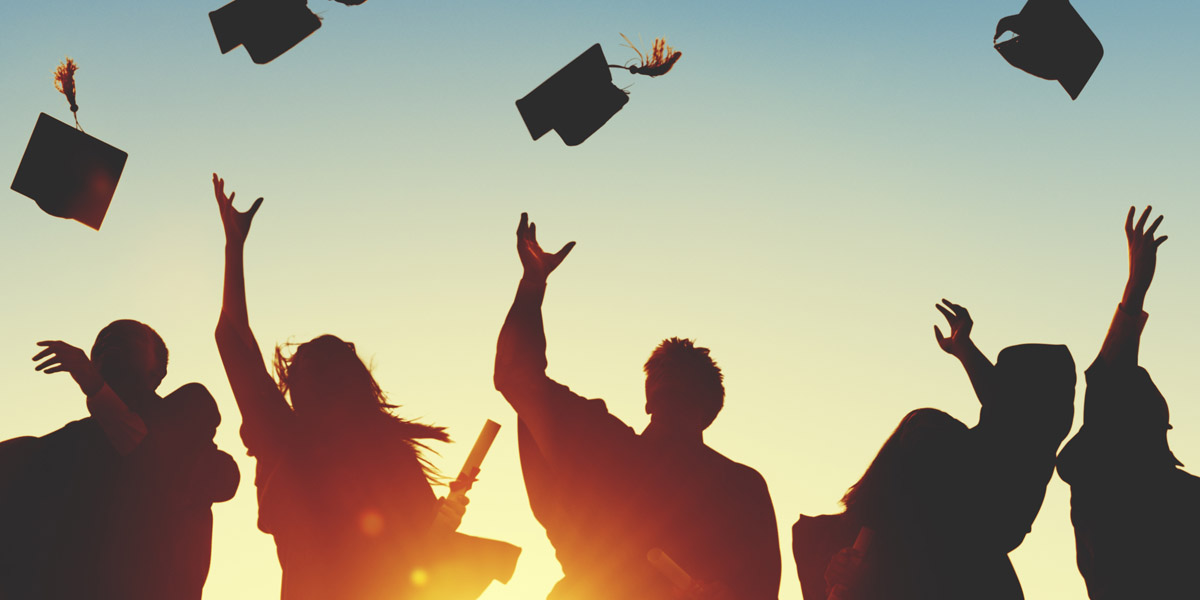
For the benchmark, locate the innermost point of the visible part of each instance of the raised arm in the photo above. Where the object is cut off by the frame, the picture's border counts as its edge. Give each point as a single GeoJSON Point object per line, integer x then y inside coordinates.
{"type": "Point", "coordinates": [959, 345]}
{"type": "Point", "coordinates": [124, 429]}
{"type": "Point", "coordinates": [1125, 332]}
{"type": "Point", "coordinates": [259, 400]}
{"type": "Point", "coordinates": [520, 367]}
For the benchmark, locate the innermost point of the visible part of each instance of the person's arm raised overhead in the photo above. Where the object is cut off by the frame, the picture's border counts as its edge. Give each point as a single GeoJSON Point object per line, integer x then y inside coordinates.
{"type": "Point", "coordinates": [1125, 333]}
{"type": "Point", "coordinates": [959, 345]}
{"type": "Point", "coordinates": [123, 427]}
{"type": "Point", "coordinates": [520, 368]}
{"type": "Point", "coordinates": [259, 400]}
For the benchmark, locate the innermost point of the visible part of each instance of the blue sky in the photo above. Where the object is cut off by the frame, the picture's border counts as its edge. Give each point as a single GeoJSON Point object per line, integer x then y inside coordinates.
{"type": "Point", "coordinates": [795, 195]}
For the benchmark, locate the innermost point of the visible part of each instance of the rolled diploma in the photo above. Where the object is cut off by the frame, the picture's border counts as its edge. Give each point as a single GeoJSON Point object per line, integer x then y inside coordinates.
{"type": "Point", "coordinates": [861, 543]}
{"type": "Point", "coordinates": [669, 568]}
{"type": "Point", "coordinates": [483, 443]}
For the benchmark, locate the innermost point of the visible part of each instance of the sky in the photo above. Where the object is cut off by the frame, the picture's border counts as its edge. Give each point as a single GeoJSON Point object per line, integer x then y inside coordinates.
{"type": "Point", "coordinates": [795, 195]}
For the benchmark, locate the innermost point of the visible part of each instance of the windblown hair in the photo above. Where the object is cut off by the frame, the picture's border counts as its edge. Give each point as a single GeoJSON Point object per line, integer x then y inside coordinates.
{"type": "Point", "coordinates": [685, 379]}
{"type": "Point", "coordinates": [347, 382]}
{"type": "Point", "coordinates": [914, 465]}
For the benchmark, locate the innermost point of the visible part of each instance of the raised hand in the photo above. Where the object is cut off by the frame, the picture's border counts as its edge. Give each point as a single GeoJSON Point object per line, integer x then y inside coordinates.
{"type": "Point", "coordinates": [61, 356]}
{"type": "Point", "coordinates": [537, 262]}
{"type": "Point", "coordinates": [237, 224]}
{"type": "Point", "coordinates": [959, 340]}
{"type": "Point", "coordinates": [1143, 251]}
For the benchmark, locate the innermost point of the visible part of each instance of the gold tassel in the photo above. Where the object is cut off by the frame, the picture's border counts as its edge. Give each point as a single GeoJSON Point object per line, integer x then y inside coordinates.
{"type": "Point", "coordinates": [660, 60]}
{"type": "Point", "coordinates": [64, 82]}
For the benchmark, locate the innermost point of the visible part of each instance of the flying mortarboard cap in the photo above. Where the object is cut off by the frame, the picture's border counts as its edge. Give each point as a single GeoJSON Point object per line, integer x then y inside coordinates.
{"type": "Point", "coordinates": [576, 101]}
{"type": "Point", "coordinates": [267, 28]}
{"type": "Point", "coordinates": [1052, 42]}
{"type": "Point", "coordinates": [69, 173]}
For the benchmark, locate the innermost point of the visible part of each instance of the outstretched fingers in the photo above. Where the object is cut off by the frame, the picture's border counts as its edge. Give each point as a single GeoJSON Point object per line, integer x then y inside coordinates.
{"type": "Point", "coordinates": [1154, 227]}
{"type": "Point", "coordinates": [254, 208]}
{"type": "Point", "coordinates": [945, 313]}
{"type": "Point", "coordinates": [564, 251]}
{"type": "Point", "coordinates": [49, 349]}
{"type": "Point", "coordinates": [959, 310]}
{"type": "Point", "coordinates": [1141, 224]}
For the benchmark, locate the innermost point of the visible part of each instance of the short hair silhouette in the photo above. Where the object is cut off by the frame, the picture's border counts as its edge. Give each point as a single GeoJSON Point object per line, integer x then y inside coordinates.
{"type": "Point", "coordinates": [130, 352]}
{"type": "Point", "coordinates": [684, 383]}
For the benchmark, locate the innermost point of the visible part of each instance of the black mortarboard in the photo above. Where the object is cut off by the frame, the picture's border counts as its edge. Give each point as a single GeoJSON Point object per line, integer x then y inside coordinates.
{"type": "Point", "coordinates": [1052, 42]}
{"type": "Point", "coordinates": [69, 173]}
{"type": "Point", "coordinates": [267, 28]}
{"type": "Point", "coordinates": [576, 101]}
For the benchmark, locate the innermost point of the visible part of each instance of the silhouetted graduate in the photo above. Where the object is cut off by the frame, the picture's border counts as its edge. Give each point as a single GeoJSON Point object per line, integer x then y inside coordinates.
{"type": "Point", "coordinates": [948, 504]}
{"type": "Point", "coordinates": [69, 173]}
{"type": "Point", "coordinates": [117, 505]}
{"type": "Point", "coordinates": [1052, 42]}
{"type": "Point", "coordinates": [1026, 410]}
{"type": "Point", "coordinates": [1136, 513]}
{"type": "Point", "coordinates": [580, 98]}
{"type": "Point", "coordinates": [915, 497]}
{"type": "Point", "coordinates": [342, 483]}
{"type": "Point", "coordinates": [607, 495]}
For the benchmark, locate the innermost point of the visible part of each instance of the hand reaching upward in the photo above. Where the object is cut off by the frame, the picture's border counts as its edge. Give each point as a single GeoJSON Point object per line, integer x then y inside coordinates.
{"type": "Point", "coordinates": [63, 357]}
{"type": "Point", "coordinates": [237, 224]}
{"type": "Point", "coordinates": [960, 323]}
{"type": "Point", "coordinates": [1143, 252]}
{"type": "Point", "coordinates": [537, 262]}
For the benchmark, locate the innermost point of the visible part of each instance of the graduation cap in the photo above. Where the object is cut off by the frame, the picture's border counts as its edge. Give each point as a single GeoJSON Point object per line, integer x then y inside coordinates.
{"type": "Point", "coordinates": [69, 173]}
{"type": "Point", "coordinates": [576, 101]}
{"type": "Point", "coordinates": [267, 28]}
{"type": "Point", "coordinates": [580, 98]}
{"type": "Point", "coordinates": [1052, 42]}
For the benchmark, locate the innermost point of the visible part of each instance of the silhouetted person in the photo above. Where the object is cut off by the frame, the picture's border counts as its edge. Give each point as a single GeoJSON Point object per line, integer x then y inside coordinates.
{"type": "Point", "coordinates": [117, 505]}
{"type": "Point", "coordinates": [342, 484]}
{"type": "Point", "coordinates": [607, 495]}
{"type": "Point", "coordinates": [1026, 409]}
{"type": "Point", "coordinates": [915, 497]}
{"type": "Point", "coordinates": [1136, 514]}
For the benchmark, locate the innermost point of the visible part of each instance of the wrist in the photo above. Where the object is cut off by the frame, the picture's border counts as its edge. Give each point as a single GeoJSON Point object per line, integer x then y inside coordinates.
{"type": "Point", "coordinates": [533, 281]}
{"type": "Point", "coordinates": [90, 384]}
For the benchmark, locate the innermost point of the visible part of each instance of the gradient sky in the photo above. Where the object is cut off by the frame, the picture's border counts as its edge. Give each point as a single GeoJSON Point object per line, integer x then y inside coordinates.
{"type": "Point", "coordinates": [796, 195]}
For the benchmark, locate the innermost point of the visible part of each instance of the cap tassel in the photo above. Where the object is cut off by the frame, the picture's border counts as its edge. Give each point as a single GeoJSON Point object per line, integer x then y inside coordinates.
{"type": "Point", "coordinates": [660, 60]}
{"type": "Point", "coordinates": [64, 82]}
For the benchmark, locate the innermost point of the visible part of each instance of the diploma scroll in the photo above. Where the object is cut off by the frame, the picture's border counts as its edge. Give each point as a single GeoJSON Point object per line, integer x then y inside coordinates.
{"type": "Point", "coordinates": [470, 469]}
{"type": "Point", "coordinates": [483, 443]}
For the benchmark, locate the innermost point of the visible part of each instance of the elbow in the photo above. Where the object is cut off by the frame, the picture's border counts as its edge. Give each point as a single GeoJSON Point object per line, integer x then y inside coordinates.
{"type": "Point", "coordinates": [222, 332]}
{"type": "Point", "coordinates": [502, 379]}
{"type": "Point", "coordinates": [227, 334]}
{"type": "Point", "coordinates": [514, 383]}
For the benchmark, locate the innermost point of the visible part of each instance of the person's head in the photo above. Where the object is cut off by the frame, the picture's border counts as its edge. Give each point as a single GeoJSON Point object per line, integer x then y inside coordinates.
{"type": "Point", "coordinates": [917, 464]}
{"type": "Point", "coordinates": [329, 385]}
{"type": "Point", "coordinates": [325, 377]}
{"type": "Point", "coordinates": [684, 386]}
{"type": "Point", "coordinates": [1035, 379]}
{"type": "Point", "coordinates": [130, 356]}
{"type": "Point", "coordinates": [1134, 414]}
